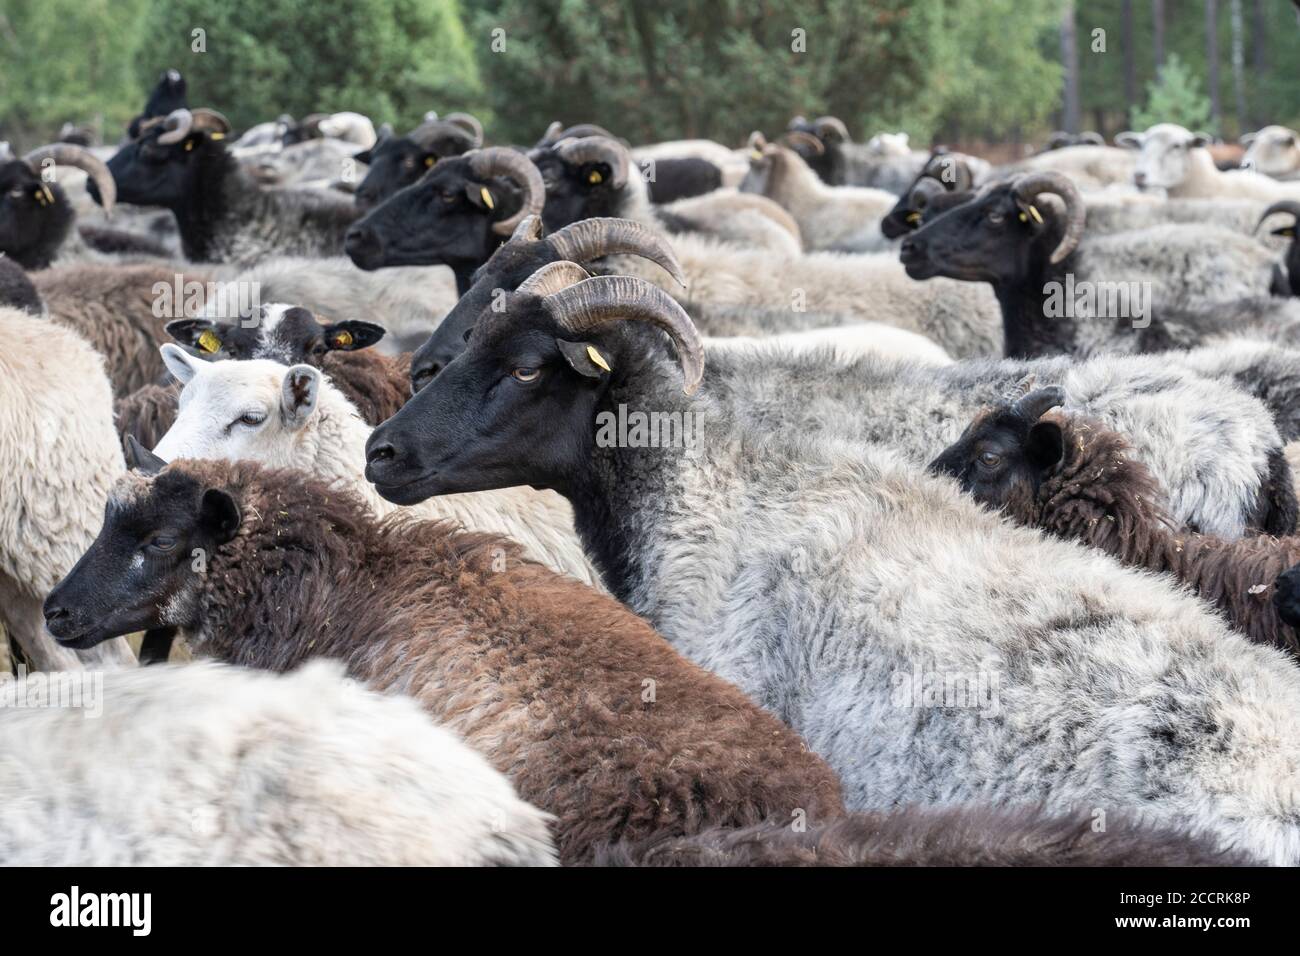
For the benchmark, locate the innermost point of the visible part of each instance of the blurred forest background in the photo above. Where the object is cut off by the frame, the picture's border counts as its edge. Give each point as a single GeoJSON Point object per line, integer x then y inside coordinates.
{"type": "Point", "coordinates": [950, 70]}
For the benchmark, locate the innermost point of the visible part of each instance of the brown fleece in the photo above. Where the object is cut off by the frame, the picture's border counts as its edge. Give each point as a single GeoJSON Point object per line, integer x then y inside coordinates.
{"type": "Point", "coordinates": [916, 836]}
{"type": "Point", "coordinates": [378, 385]}
{"type": "Point", "coordinates": [112, 307]}
{"type": "Point", "coordinates": [1100, 495]}
{"type": "Point", "coordinates": [592, 715]}
{"type": "Point", "coordinates": [147, 413]}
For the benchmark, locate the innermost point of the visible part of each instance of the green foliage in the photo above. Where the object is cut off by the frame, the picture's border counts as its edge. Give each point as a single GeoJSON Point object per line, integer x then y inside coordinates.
{"type": "Point", "coordinates": [1174, 97]}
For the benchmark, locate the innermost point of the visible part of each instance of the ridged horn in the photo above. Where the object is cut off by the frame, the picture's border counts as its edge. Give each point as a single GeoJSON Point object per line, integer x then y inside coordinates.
{"type": "Point", "coordinates": [553, 277]}
{"type": "Point", "coordinates": [589, 239]}
{"type": "Point", "coordinates": [833, 123]}
{"type": "Point", "coordinates": [926, 188]}
{"type": "Point", "coordinates": [1282, 205]}
{"type": "Point", "coordinates": [176, 126]}
{"type": "Point", "coordinates": [1033, 405]}
{"type": "Point", "coordinates": [602, 300]}
{"type": "Point", "coordinates": [1030, 186]}
{"type": "Point", "coordinates": [808, 139]}
{"type": "Point", "coordinates": [597, 149]}
{"type": "Point", "coordinates": [469, 124]}
{"type": "Point", "coordinates": [66, 154]}
{"type": "Point", "coordinates": [519, 169]}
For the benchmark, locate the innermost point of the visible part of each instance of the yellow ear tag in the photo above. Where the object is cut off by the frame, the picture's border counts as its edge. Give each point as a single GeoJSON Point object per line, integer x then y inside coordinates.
{"type": "Point", "coordinates": [216, 135]}
{"type": "Point", "coordinates": [45, 191]}
{"type": "Point", "coordinates": [487, 197]}
{"type": "Point", "coordinates": [342, 339]}
{"type": "Point", "coordinates": [913, 217]}
{"type": "Point", "coordinates": [429, 160]}
{"type": "Point", "coordinates": [209, 342]}
{"type": "Point", "coordinates": [189, 145]}
{"type": "Point", "coordinates": [756, 153]}
{"type": "Point", "coordinates": [594, 177]}
{"type": "Point", "coordinates": [1038, 216]}
{"type": "Point", "coordinates": [1023, 217]}
{"type": "Point", "coordinates": [597, 357]}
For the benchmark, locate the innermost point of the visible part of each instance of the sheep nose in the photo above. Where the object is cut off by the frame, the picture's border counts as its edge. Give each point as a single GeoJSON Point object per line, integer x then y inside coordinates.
{"type": "Point", "coordinates": [55, 613]}
{"type": "Point", "coordinates": [382, 452]}
{"type": "Point", "coordinates": [364, 247]}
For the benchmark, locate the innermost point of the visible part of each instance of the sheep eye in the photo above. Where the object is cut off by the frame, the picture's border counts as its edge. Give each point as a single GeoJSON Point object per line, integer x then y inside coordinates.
{"type": "Point", "coordinates": [162, 542]}
{"type": "Point", "coordinates": [526, 374]}
{"type": "Point", "coordinates": [16, 192]}
{"type": "Point", "coordinates": [447, 197]}
{"type": "Point", "coordinates": [996, 218]}
{"type": "Point", "coordinates": [251, 419]}
{"type": "Point", "coordinates": [989, 460]}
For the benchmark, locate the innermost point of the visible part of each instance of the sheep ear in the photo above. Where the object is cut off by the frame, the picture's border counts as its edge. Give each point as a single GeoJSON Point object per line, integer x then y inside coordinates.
{"type": "Point", "coordinates": [1247, 139]}
{"type": "Point", "coordinates": [219, 514]}
{"type": "Point", "coordinates": [298, 394]}
{"type": "Point", "coordinates": [1201, 139]}
{"type": "Point", "coordinates": [179, 362]}
{"type": "Point", "coordinates": [141, 459]}
{"type": "Point", "coordinates": [1129, 139]}
{"type": "Point", "coordinates": [584, 357]}
{"type": "Point", "coordinates": [202, 334]}
{"type": "Point", "coordinates": [1045, 445]}
{"type": "Point", "coordinates": [353, 334]}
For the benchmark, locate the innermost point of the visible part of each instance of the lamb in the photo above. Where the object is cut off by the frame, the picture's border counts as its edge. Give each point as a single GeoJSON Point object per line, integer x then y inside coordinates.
{"type": "Point", "coordinates": [1077, 479]}
{"type": "Point", "coordinates": [260, 410]}
{"type": "Point", "coordinates": [1175, 160]}
{"type": "Point", "coordinates": [182, 164]}
{"type": "Point", "coordinates": [1273, 152]}
{"type": "Point", "coordinates": [206, 765]}
{"type": "Point", "coordinates": [587, 711]}
{"type": "Point", "coordinates": [846, 218]}
{"type": "Point", "coordinates": [1058, 294]}
{"type": "Point", "coordinates": [58, 457]}
{"type": "Point", "coordinates": [122, 311]}
{"type": "Point", "coordinates": [804, 570]}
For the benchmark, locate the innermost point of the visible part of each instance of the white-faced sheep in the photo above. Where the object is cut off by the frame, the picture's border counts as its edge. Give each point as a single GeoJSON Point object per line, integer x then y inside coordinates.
{"type": "Point", "coordinates": [205, 765]}
{"type": "Point", "coordinates": [294, 418]}
{"type": "Point", "coordinates": [804, 572]}
{"type": "Point", "coordinates": [1175, 160]}
{"type": "Point", "coordinates": [1272, 151]}
{"type": "Point", "coordinates": [58, 457]}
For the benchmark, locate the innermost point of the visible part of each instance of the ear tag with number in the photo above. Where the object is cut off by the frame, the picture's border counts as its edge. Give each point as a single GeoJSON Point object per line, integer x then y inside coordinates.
{"type": "Point", "coordinates": [209, 342]}
{"type": "Point", "coordinates": [597, 357]}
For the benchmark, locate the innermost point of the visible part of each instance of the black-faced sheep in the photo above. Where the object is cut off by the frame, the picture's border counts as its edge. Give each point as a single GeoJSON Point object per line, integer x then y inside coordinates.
{"type": "Point", "coordinates": [1076, 478]}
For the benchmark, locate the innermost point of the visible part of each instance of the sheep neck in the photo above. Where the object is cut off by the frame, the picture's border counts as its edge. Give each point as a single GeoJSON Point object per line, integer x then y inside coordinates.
{"type": "Point", "coordinates": [1027, 330]}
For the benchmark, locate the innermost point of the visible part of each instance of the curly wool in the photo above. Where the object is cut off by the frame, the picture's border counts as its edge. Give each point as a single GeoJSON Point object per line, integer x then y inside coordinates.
{"type": "Point", "coordinates": [205, 765]}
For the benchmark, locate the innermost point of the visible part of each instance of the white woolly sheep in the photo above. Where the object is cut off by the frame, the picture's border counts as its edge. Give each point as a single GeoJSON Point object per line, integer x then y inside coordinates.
{"type": "Point", "coordinates": [1273, 152]}
{"type": "Point", "coordinates": [1175, 160]}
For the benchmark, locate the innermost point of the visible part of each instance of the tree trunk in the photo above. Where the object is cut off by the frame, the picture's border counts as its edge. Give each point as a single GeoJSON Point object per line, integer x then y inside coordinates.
{"type": "Point", "coordinates": [1130, 62]}
{"type": "Point", "coordinates": [1212, 63]}
{"type": "Point", "coordinates": [1158, 33]}
{"type": "Point", "coordinates": [1239, 66]}
{"type": "Point", "coordinates": [1259, 39]}
{"type": "Point", "coordinates": [1070, 68]}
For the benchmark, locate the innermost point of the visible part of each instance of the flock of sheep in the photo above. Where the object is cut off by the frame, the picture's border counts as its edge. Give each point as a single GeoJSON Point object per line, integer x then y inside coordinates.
{"type": "Point", "coordinates": [812, 502]}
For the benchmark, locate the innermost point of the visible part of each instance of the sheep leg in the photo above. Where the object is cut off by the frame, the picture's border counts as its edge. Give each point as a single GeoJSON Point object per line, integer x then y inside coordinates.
{"type": "Point", "coordinates": [157, 645]}
{"type": "Point", "coordinates": [24, 619]}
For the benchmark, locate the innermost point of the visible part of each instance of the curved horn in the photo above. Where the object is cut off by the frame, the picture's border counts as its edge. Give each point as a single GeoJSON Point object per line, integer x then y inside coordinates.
{"type": "Point", "coordinates": [552, 133]}
{"type": "Point", "coordinates": [66, 154]}
{"type": "Point", "coordinates": [756, 141]}
{"type": "Point", "coordinates": [552, 278]}
{"type": "Point", "coordinates": [926, 188]}
{"type": "Point", "coordinates": [1028, 187]}
{"type": "Point", "coordinates": [469, 124]}
{"type": "Point", "coordinates": [589, 239]}
{"type": "Point", "coordinates": [602, 300]}
{"type": "Point", "coordinates": [499, 161]}
{"type": "Point", "coordinates": [176, 126]}
{"type": "Point", "coordinates": [797, 122]}
{"type": "Point", "coordinates": [597, 149]}
{"type": "Point", "coordinates": [808, 139]}
{"type": "Point", "coordinates": [210, 121]}
{"type": "Point", "coordinates": [834, 123]}
{"type": "Point", "coordinates": [528, 230]}
{"type": "Point", "coordinates": [1282, 205]}
{"type": "Point", "coordinates": [1033, 405]}
{"type": "Point", "coordinates": [1093, 137]}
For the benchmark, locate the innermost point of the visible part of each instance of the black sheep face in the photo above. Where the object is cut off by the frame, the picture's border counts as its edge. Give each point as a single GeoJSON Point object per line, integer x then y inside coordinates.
{"type": "Point", "coordinates": [576, 191]}
{"type": "Point", "coordinates": [35, 217]}
{"type": "Point", "coordinates": [144, 569]}
{"type": "Point", "coordinates": [1003, 457]}
{"type": "Point", "coordinates": [150, 173]}
{"type": "Point", "coordinates": [444, 218]}
{"type": "Point", "coordinates": [991, 238]}
{"type": "Point", "coordinates": [397, 162]}
{"type": "Point", "coordinates": [290, 335]}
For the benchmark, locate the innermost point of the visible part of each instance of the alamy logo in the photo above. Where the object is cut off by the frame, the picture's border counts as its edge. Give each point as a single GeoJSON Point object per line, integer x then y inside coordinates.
{"type": "Point", "coordinates": [636, 429]}
{"type": "Point", "coordinates": [1102, 300]}
{"type": "Point", "coordinates": [967, 690]}
{"type": "Point", "coordinates": [179, 299]}
{"type": "Point", "coordinates": [53, 690]}
{"type": "Point", "coordinates": [134, 910]}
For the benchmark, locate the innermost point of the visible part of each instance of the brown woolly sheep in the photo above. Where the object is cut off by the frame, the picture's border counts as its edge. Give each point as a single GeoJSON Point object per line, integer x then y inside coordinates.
{"type": "Point", "coordinates": [589, 712]}
{"type": "Point", "coordinates": [915, 836]}
{"type": "Point", "coordinates": [1077, 478]}
{"type": "Point", "coordinates": [115, 308]}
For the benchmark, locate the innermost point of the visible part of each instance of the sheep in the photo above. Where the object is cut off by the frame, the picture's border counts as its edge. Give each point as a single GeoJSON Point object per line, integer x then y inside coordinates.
{"type": "Point", "coordinates": [37, 218]}
{"type": "Point", "coordinates": [587, 711]}
{"type": "Point", "coordinates": [122, 311]}
{"type": "Point", "coordinates": [845, 218]}
{"type": "Point", "coordinates": [320, 164]}
{"type": "Point", "coordinates": [884, 162]}
{"type": "Point", "coordinates": [1061, 139]}
{"type": "Point", "coordinates": [1091, 167]}
{"type": "Point", "coordinates": [1058, 294]}
{"type": "Point", "coordinates": [396, 162]}
{"type": "Point", "coordinates": [58, 457]}
{"type": "Point", "coordinates": [350, 128]}
{"type": "Point", "coordinates": [168, 94]}
{"type": "Point", "coordinates": [806, 571]}
{"type": "Point", "coordinates": [669, 180]}
{"type": "Point", "coordinates": [731, 163]}
{"type": "Point", "coordinates": [1174, 160]}
{"type": "Point", "coordinates": [736, 218]}
{"type": "Point", "coordinates": [207, 765]}
{"type": "Point", "coordinates": [182, 164]}
{"type": "Point", "coordinates": [294, 417]}
{"type": "Point", "coordinates": [1272, 152]}
{"type": "Point", "coordinates": [844, 342]}
{"type": "Point", "coordinates": [1077, 479]}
